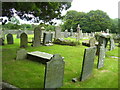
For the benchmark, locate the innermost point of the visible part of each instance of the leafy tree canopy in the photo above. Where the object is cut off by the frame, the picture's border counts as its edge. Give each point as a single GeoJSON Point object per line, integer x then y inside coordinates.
{"type": "Point", "coordinates": [46, 11]}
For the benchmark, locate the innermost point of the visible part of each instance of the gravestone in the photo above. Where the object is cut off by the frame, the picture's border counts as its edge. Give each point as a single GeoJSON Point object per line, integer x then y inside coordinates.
{"type": "Point", "coordinates": [112, 44]}
{"type": "Point", "coordinates": [10, 39]}
{"type": "Point", "coordinates": [47, 38]}
{"type": "Point", "coordinates": [88, 62]}
{"type": "Point", "coordinates": [66, 33]}
{"type": "Point", "coordinates": [21, 54]}
{"type": "Point", "coordinates": [58, 32]}
{"type": "Point", "coordinates": [92, 42]}
{"type": "Point", "coordinates": [23, 40]}
{"type": "Point", "coordinates": [1, 41]}
{"type": "Point", "coordinates": [101, 56]}
{"type": "Point", "coordinates": [54, 72]}
{"type": "Point", "coordinates": [71, 32]}
{"type": "Point", "coordinates": [37, 37]}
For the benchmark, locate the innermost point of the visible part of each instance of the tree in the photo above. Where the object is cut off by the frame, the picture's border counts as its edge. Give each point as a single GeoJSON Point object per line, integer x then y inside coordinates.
{"type": "Point", "coordinates": [46, 11]}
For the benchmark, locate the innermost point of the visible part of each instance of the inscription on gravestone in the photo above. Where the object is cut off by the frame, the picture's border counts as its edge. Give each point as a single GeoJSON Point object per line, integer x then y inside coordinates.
{"type": "Point", "coordinates": [54, 72]}
{"type": "Point", "coordinates": [88, 62]}
{"type": "Point", "coordinates": [101, 56]}
{"type": "Point", "coordinates": [23, 40]}
{"type": "Point", "coordinates": [10, 39]}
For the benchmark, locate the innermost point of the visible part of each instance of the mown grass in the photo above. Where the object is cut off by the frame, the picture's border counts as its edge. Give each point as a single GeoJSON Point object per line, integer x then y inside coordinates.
{"type": "Point", "coordinates": [29, 74]}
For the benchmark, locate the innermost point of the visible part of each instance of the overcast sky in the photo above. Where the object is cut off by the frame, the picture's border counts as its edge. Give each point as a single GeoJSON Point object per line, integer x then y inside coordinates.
{"type": "Point", "coordinates": [108, 6]}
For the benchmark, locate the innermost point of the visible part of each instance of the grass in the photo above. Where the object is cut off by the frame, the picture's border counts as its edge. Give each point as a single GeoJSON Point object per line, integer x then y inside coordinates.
{"type": "Point", "coordinates": [29, 74]}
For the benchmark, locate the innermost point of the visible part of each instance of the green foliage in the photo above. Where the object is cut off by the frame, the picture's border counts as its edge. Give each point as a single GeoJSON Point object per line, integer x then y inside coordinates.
{"type": "Point", "coordinates": [46, 11]}
{"type": "Point", "coordinates": [93, 21]}
{"type": "Point", "coordinates": [50, 28]}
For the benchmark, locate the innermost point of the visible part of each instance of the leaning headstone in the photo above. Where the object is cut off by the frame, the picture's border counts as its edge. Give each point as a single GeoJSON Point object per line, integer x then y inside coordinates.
{"type": "Point", "coordinates": [21, 54]}
{"type": "Point", "coordinates": [23, 40]}
{"type": "Point", "coordinates": [112, 44]}
{"type": "Point", "coordinates": [37, 37]}
{"type": "Point", "coordinates": [47, 38]}
{"type": "Point", "coordinates": [92, 42]}
{"type": "Point", "coordinates": [88, 62]}
{"type": "Point", "coordinates": [10, 39]}
{"type": "Point", "coordinates": [54, 72]}
{"type": "Point", "coordinates": [58, 32]}
{"type": "Point", "coordinates": [101, 56]}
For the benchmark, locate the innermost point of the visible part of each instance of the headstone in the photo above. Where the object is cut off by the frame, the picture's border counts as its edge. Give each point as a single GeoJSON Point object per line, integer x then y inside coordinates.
{"type": "Point", "coordinates": [21, 54]}
{"type": "Point", "coordinates": [107, 31]}
{"type": "Point", "coordinates": [112, 44]}
{"type": "Point", "coordinates": [1, 41]}
{"type": "Point", "coordinates": [58, 32]}
{"type": "Point", "coordinates": [92, 42]}
{"type": "Point", "coordinates": [101, 56]}
{"type": "Point", "coordinates": [66, 33]}
{"type": "Point", "coordinates": [54, 72]}
{"type": "Point", "coordinates": [37, 37]}
{"type": "Point", "coordinates": [23, 40]}
{"type": "Point", "coordinates": [47, 38]}
{"type": "Point", "coordinates": [88, 62]}
{"type": "Point", "coordinates": [10, 39]}
{"type": "Point", "coordinates": [71, 32]}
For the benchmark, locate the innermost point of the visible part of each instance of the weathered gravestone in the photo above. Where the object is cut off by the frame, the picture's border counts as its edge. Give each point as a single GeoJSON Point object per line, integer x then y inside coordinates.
{"type": "Point", "coordinates": [71, 32]}
{"type": "Point", "coordinates": [10, 39]}
{"type": "Point", "coordinates": [101, 56]}
{"type": "Point", "coordinates": [37, 37]}
{"type": "Point", "coordinates": [47, 38]}
{"type": "Point", "coordinates": [66, 33]}
{"type": "Point", "coordinates": [54, 72]}
{"type": "Point", "coordinates": [21, 54]}
{"type": "Point", "coordinates": [112, 44]}
{"type": "Point", "coordinates": [92, 42]}
{"type": "Point", "coordinates": [58, 32]}
{"type": "Point", "coordinates": [88, 62]}
{"type": "Point", "coordinates": [23, 40]}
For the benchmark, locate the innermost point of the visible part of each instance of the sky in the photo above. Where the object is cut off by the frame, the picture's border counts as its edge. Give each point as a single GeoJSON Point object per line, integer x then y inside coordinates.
{"type": "Point", "coordinates": [108, 6]}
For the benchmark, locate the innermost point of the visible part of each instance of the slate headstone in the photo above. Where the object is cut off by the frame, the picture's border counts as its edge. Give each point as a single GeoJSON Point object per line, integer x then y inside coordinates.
{"type": "Point", "coordinates": [54, 72]}
{"type": "Point", "coordinates": [21, 54]}
{"type": "Point", "coordinates": [10, 39]}
{"type": "Point", "coordinates": [88, 62]}
{"type": "Point", "coordinates": [101, 56]}
{"type": "Point", "coordinates": [23, 40]}
{"type": "Point", "coordinates": [37, 37]}
{"type": "Point", "coordinates": [47, 38]}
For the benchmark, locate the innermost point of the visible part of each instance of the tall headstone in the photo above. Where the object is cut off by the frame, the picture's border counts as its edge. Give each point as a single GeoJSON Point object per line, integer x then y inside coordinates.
{"type": "Point", "coordinates": [88, 62]}
{"type": "Point", "coordinates": [37, 37]}
{"type": "Point", "coordinates": [23, 40]}
{"type": "Point", "coordinates": [58, 32]}
{"type": "Point", "coordinates": [112, 44]}
{"type": "Point", "coordinates": [54, 72]}
{"type": "Point", "coordinates": [71, 32]}
{"type": "Point", "coordinates": [101, 56]}
{"type": "Point", "coordinates": [47, 38]}
{"type": "Point", "coordinates": [10, 39]}
{"type": "Point", "coordinates": [21, 54]}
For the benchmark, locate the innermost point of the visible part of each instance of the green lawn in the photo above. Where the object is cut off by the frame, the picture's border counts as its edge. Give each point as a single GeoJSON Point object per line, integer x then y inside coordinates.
{"type": "Point", "coordinates": [29, 74]}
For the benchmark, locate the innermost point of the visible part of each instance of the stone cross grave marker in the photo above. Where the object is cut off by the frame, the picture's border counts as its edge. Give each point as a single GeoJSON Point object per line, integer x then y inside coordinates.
{"type": "Point", "coordinates": [21, 54]}
{"type": "Point", "coordinates": [47, 38]}
{"type": "Point", "coordinates": [54, 72]}
{"type": "Point", "coordinates": [37, 37]}
{"type": "Point", "coordinates": [101, 56]}
{"type": "Point", "coordinates": [92, 42]}
{"type": "Point", "coordinates": [58, 32]}
{"type": "Point", "coordinates": [23, 40]}
{"type": "Point", "coordinates": [10, 39]}
{"type": "Point", "coordinates": [88, 62]}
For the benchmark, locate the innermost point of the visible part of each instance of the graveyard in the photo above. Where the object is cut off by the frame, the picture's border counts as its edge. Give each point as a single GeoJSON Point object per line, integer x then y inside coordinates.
{"type": "Point", "coordinates": [29, 74]}
{"type": "Point", "coordinates": [41, 47]}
